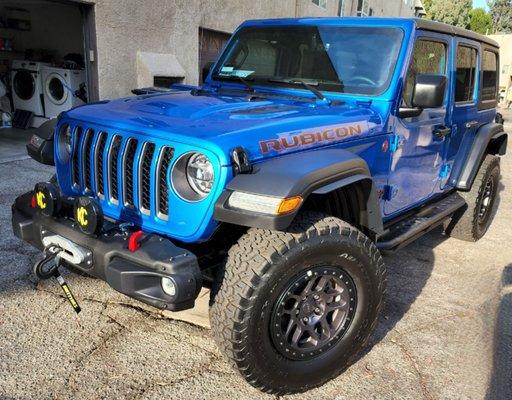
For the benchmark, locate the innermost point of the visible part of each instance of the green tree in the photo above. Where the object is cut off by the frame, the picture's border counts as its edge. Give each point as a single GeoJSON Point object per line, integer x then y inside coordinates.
{"type": "Point", "coordinates": [501, 13]}
{"type": "Point", "coordinates": [454, 12]}
{"type": "Point", "coordinates": [480, 21]}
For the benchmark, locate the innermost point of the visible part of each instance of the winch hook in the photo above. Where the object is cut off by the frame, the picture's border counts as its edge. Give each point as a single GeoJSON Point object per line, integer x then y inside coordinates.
{"type": "Point", "coordinates": [48, 266]}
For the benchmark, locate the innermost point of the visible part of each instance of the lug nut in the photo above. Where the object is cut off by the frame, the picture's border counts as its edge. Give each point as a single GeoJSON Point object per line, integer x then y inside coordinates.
{"type": "Point", "coordinates": [305, 320]}
{"type": "Point", "coordinates": [317, 311]}
{"type": "Point", "coordinates": [316, 297]}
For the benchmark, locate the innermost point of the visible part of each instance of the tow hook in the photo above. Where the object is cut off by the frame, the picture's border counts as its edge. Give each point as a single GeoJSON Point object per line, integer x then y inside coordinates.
{"type": "Point", "coordinates": [49, 267]}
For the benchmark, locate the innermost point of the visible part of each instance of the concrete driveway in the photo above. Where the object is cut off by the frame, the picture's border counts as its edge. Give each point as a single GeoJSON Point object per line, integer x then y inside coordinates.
{"type": "Point", "coordinates": [445, 333]}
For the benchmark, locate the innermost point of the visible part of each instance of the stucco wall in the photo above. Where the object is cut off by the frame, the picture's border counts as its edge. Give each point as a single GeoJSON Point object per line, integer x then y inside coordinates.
{"type": "Point", "coordinates": [171, 26]}
{"type": "Point", "coordinates": [126, 27]}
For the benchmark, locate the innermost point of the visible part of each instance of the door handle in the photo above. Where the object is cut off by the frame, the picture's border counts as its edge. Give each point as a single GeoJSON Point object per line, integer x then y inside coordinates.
{"type": "Point", "coordinates": [441, 132]}
{"type": "Point", "coordinates": [471, 124]}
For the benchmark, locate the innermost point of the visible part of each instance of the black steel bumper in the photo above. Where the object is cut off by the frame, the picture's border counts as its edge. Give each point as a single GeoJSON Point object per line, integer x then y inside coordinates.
{"type": "Point", "coordinates": [137, 274]}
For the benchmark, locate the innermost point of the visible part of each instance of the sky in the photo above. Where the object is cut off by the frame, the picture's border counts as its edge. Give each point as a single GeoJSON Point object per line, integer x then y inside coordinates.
{"type": "Point", "coordinates": [480, 3]}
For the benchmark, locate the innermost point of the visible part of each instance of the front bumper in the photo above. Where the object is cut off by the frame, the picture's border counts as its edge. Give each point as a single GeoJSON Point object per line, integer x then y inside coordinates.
{"type": "Point", "coordinates": [136, 274]}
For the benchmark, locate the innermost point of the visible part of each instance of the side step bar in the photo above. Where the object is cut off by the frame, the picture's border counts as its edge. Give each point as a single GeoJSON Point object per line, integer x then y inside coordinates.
{"type": "Point", "coordinates": [404, 232]}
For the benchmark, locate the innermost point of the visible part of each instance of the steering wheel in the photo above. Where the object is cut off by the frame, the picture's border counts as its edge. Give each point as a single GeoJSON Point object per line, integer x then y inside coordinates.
{"type": "Point", "coordinates": [362, 79]}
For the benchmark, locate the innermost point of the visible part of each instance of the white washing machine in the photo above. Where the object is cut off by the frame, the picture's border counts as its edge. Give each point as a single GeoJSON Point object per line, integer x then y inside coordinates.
{"type": "Point", "coordinates": [59, 87]}
{"type": "Point", "coordinates": [27, 87]}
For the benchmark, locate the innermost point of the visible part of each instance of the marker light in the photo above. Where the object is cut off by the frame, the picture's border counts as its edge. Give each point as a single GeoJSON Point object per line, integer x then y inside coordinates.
{"type": "Point", "coordinates": [264, 204]}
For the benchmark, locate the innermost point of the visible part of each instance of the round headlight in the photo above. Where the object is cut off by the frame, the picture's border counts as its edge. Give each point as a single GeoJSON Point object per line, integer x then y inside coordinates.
{"type": "Point", "coordinates": [65, 142]}
{"type": "Point", "coordinates": [200, 174]}
{"type": "Point", "coordinates": [192, 176]}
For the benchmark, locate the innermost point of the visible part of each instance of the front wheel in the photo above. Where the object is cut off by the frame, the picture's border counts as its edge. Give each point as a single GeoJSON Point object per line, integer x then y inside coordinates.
{"type": "Point", "coordinates": [294, 308]}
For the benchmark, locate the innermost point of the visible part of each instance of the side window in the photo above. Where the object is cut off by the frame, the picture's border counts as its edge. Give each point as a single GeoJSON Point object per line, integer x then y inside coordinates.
{"type": "Point", "coordinates": [465, 74]}
{"type": "Point", "coordinates": [429, 57]}
{"type": "Point", "coordinates": [489, 75]}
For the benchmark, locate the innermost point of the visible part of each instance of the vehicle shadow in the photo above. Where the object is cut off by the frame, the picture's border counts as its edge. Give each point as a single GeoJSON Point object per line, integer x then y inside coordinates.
{"type": "Point", "coordinates": [500, 383]}
{"type": "Point", "coordinates": [409, 270]}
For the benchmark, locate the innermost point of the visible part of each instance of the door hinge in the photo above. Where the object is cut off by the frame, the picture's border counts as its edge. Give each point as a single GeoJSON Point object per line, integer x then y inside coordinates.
{"type": "Point", "coordinates": [444, 171]}
{"type": "Point", "coordinates": [395, 142]}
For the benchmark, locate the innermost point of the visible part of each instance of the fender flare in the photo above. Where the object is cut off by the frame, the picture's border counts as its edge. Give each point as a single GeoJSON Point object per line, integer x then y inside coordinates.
{"type": "Point", "coordinates": [488, 139]}
{"type": "Point", "coordinates": [300, 174]}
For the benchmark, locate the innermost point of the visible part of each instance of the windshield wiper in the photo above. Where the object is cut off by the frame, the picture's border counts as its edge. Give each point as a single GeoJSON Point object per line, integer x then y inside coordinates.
{"type": "Point", "coordinates": [306, 85]}
{"type": "Point", "coordinates": [237, 78]}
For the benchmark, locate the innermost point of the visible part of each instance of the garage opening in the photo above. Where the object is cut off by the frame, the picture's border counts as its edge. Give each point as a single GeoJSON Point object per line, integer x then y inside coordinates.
{"type": "Point", "coordinates": [47, 50]}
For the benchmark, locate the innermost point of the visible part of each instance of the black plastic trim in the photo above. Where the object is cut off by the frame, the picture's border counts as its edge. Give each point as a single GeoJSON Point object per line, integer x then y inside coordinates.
{"type": "Point", "coordinates": [44, 154]}
{"type": "Point", "coordinates": [486, 135]}
{"type": "Point", "coordinates": [319, 171]}
{"type": "Point", "coordinates": [137, 274]}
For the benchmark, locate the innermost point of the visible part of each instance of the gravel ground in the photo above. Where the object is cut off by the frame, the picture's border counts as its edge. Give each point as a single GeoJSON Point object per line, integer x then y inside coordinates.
{"type": "Point", "coordinates": [445, 332]}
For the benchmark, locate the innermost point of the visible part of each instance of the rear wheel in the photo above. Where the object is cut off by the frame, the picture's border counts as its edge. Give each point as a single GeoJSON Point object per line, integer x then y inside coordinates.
{"type": "Point", "coordinates": [294, 308]}
{"type": "Point", "coordinates": [471, 223]}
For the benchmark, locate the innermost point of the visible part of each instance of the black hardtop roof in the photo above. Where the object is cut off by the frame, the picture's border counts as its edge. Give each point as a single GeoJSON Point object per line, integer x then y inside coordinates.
{"type": "Point", "coordinates": [434, 26]}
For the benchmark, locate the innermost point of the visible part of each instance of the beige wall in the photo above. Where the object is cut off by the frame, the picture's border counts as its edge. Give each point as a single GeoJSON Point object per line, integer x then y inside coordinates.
{"type": "Point", "coordinates": [505, 42]}
{"type": "Point", "coordinates": [171, 26]}
{"type": "Point", "coordinates": [125, 27]}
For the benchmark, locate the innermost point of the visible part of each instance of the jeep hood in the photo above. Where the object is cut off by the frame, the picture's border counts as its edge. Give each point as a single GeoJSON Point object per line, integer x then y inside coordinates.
{"type": "Point", "coordinates": [264, 127]}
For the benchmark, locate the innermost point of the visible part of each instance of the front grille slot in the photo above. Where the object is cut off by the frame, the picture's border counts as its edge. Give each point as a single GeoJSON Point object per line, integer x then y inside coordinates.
{"type": "Point", "coordinates": [113, 160]}
{"type": "Point", "coordinates": [98, 163]}
{"type": "Point", "coordinates": [128, 159]}
{"type": "Point", "coordinates": [146, 160]}
{"type": "Point", "coordinates": [75, 164]}
{"type": "Point", "coordinates": [162, 189]}
{"type": "Point", "coordinates": [86, 159]}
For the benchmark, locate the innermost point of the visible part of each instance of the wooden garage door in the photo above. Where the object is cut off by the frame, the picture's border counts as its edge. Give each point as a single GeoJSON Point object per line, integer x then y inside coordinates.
{"type": "Point", "coordinates": [210, 45]}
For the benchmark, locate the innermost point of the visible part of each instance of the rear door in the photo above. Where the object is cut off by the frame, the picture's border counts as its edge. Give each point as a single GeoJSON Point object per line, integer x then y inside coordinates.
{"type": "Point", "coordinates": [418, 153]}
{"type": "Point", "coordinates": [464, 110]}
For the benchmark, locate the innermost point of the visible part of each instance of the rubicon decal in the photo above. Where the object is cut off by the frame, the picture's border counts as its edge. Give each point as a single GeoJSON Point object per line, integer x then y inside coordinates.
{"type": "Point", "coordinates": [333, 133]}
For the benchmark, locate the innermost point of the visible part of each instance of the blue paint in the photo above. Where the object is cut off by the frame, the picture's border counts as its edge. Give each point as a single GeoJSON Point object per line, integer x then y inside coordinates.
{"type": "Point", "coordinates": [220, 117]}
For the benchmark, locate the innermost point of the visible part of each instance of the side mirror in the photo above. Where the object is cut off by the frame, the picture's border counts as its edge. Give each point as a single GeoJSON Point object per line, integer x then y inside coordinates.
{"type": "Point", "coordinates": [428, 92]}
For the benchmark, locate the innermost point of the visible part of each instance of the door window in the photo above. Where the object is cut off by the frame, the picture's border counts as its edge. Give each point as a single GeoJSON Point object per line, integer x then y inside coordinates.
{"type": "Point", "coordinates": [465, 74]}
{"type": "Point", "coordinates": [489, 75]}
{"type": "Point", "coordinates": [429, 57]}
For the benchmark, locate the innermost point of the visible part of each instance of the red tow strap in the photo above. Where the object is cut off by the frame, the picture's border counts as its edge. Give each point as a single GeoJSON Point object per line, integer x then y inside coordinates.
{"type": "Point", "coordinates": [134, 240]}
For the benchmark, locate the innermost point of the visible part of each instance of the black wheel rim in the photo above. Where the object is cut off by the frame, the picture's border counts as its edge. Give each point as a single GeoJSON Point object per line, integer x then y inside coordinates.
{"type": "Point", "coordinates": [487, 201]}
{"type": "Point", "coordinates": [313, 312]}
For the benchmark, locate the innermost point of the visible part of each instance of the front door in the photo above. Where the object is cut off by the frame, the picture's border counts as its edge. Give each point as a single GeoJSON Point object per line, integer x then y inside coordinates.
{"type": "Point", "coordinates": [418, 155]}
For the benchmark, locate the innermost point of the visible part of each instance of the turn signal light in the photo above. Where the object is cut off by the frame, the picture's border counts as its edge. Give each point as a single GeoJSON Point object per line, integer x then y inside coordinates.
{"type": "Point", "coordinates": [289, 204]}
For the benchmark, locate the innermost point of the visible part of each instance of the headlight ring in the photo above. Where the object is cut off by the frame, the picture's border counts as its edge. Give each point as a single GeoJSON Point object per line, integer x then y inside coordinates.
{"type": "Point", "coordinates": [192, 176]}
{"type": "Point", "coordinates": [65, 141]}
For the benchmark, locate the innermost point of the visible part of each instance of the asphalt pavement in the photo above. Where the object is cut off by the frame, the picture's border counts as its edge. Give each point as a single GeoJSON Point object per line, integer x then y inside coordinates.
{"type": "Point", "coordinates": [445, 333]}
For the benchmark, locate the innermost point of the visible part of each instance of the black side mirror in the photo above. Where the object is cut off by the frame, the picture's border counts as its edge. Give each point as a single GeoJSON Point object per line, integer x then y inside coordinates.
{"type": "Point", "coordinates": [428, 92]}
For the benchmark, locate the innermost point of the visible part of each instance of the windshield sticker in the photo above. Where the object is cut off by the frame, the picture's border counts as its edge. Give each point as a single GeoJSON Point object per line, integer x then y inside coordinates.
{"type": "Point", "coordinates": [328, 134]}
{"type": "Point", "coordinates": [229, 71]}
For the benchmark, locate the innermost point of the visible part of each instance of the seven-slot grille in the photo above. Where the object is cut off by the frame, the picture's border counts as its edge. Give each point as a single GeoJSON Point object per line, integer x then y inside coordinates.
{"type": "Point", "coordinates": [99, 158]}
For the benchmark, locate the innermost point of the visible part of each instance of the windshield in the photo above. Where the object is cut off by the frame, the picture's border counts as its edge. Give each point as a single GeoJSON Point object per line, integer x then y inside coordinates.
{"type": "Point", "coordinates": [333, 58]}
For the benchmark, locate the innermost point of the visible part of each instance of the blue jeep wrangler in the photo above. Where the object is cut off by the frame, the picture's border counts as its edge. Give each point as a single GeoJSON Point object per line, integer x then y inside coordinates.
{"type": "Point", "coordinates": [313, 146]}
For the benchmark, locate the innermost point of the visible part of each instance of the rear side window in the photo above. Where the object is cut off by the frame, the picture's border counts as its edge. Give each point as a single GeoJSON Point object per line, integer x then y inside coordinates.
{"type": "Point", "coordinates": [429, 57]}
{"type": "Point", "coordinates": [465, 75]}
{"type": "Point", "coordinates": [489, 75]}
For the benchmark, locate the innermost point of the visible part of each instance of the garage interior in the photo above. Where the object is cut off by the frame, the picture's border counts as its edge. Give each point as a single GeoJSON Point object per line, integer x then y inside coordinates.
{"type": "Point", "coordinates": [44, 68]}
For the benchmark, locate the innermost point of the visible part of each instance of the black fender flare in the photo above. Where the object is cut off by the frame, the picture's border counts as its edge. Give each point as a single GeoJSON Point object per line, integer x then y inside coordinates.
{"type": "Point", "coordinates": [42, 151]}
{"type": "Point", "coordinates": [300, 174]}
{"type": "Point", "coordinates": [488, 139]}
